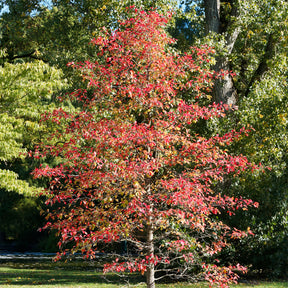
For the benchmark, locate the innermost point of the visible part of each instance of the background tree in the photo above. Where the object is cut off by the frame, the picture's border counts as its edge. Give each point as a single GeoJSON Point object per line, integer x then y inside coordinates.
{"type": "Point", "coordinates": [251, 39]}
{"type": "Point", "coordinates": [57, 32]}
{"type": "Point", "coordinates": [265, 110]}
{"type": "Point", "coordinates": [248, 35]}
{"type": "Point", "coordinates": [26, 92]}
{"type": "Point", "coordinates": [132, 169]}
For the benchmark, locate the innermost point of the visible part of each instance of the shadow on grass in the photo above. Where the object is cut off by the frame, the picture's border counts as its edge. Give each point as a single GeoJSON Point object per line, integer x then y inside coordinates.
{"type": "Point", "coordinates": [45, 273]}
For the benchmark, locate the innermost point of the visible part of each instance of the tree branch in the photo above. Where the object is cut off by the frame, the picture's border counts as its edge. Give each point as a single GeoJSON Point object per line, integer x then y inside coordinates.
{"type": "Point", "coordinates": [263, 65]}
{"type": "Point", "coordinates": [27, 55]}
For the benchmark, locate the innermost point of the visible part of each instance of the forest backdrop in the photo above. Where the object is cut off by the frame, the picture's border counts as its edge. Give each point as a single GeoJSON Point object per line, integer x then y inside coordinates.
{"type": "Point", "coordinates": [250, 38]}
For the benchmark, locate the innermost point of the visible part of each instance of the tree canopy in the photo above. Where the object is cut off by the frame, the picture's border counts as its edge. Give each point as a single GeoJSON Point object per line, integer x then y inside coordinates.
{"type": "Point", "coordinates": [26, 92]}
{"type": "Point", "coordinates": [132, 169]}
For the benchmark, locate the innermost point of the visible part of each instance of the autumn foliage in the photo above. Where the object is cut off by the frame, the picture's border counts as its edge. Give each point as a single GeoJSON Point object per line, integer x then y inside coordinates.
{"type": "Point", "coordinates": [130, 166]}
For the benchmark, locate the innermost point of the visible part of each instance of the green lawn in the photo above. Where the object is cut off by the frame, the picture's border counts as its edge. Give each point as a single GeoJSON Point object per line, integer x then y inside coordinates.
{"type": "Point", "coordinates": [79, 275]}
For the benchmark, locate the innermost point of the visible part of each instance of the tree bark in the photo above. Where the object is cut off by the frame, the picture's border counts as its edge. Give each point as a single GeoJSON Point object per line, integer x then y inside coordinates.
{"type": "Point", "coordinates": [150, 274]}
{"type": "Point", "coordinates": [212, 15]}
{"type": "Point", "coordinates": [224, 90]}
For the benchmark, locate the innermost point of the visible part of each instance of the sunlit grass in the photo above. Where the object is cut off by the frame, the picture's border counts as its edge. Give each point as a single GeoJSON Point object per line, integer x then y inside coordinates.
{"type": "Point", "coordinates": [86, 275]}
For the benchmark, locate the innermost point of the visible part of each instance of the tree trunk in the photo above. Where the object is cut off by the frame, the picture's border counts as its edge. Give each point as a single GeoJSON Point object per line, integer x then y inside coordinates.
{"type": "Point", "coordinates": [224, 90]}
{"type": "Point", "coordinates": [150, 274]}
{"type": "Point", "coordinates": [212, 15]}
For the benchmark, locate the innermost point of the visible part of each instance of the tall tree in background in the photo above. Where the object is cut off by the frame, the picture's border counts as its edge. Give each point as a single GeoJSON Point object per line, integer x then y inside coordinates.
{"type": "Point", "coordinates": [57, 33]}
{"type": "Point", "coordinates": [251, 40]}
{"type": "Point", "coordinates": [26, 91]}
{"type": "Point", "coordinates": [223, 23]}
{"type": "Point", "coordinates": [250, 37]}
{"type": "Point", "coordinates": [133, 169]}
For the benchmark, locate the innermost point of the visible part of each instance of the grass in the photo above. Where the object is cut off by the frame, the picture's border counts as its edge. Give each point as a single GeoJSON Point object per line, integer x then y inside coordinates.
{"type": "Point", "coordinates": [85, 275]}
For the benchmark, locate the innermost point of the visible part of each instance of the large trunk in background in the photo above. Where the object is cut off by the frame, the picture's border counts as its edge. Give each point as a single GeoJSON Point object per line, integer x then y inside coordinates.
{"type": "Point", "coordinates": [224, 90]}
{"type": "Point", "coordinates": [212, 16]}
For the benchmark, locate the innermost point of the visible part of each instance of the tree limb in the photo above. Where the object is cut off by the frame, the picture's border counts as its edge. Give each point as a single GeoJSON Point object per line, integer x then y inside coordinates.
{"type": "Point", "coordinates": [27, 55]}
{"type": "Point", "coordinates": [263, 65]}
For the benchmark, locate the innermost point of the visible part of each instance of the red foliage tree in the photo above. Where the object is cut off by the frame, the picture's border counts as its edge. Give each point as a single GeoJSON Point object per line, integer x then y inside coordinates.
{"type": "Point", "coordinates": [132, 168]}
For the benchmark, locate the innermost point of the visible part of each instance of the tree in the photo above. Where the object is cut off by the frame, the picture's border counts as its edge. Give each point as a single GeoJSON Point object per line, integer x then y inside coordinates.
{"type": "Point", "coordinates": [132, 169]}
{"type": "Point", "coordinates": [264, 110]}
{"type": "Point", "coordinates": [58, 32]}
{"type": "Point", "coordinates": [26, 92]}
{"type": "Point", "coordinates": [250, 38]}
{"type": "Point", "coordinates": [257, 31]}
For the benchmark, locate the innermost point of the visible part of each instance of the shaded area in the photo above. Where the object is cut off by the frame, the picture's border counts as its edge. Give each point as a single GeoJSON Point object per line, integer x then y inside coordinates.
{"type": "Point", "coordinates": [20, 220]}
